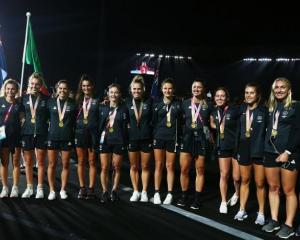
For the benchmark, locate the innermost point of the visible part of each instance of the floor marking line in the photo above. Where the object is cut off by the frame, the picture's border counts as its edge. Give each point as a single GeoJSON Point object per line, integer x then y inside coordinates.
{"type": "Point", "coordinates": [209, 222]}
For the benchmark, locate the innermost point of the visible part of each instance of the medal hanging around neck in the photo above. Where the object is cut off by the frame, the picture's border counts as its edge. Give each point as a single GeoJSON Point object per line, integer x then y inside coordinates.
{"type": "Point", "coordinates": [195, 114]}
{"type": "Point", "coordinates": [111, 117]}
{"type": "Point", "coordinates": [61, 114]}
{"type": "Point", "coordinates": [86, 106]}
{"type": "Point", "coordinates": [33, 108]}
{"type": "Point", "coordinates": [168, 116]}
{"type": "Point", "coordinates": [222, 119]}
{"type": "Point", "coordinates": [249, 120]}
{"type": "Point", "coordinates": [138, 114]}
{"type": "Point", "coordinates": [275, 119]}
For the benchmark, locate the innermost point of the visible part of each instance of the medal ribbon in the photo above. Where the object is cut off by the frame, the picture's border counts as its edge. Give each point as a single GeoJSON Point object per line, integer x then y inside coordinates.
{"type": "Point", "coordinates": [111, 117]}
{"type": "Point", "coordinates": [222, 119]}
{"type": "Point", "coordinates": [61, 114]}
{"type": "Point", "coordinates": [249, 119]}
{"type": "Point", "coordinates": [8, 113]}
{"type": "Point", "coordinates": [86, 106]}
{"type": "Point", "coordinates": [275, 119]}
{"type": "Point", "coordinates": [137, 113]}
{"type": "Point", "coordinates": [33, 107]}
{"type": "Point", "coordinates": [196, 112]}
{"type": "Point", "coordinates": [168, 109]}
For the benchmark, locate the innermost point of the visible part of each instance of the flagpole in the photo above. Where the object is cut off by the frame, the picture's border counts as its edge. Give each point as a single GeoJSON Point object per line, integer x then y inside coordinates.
{"type": "Point", "coordinates": [28, 14]}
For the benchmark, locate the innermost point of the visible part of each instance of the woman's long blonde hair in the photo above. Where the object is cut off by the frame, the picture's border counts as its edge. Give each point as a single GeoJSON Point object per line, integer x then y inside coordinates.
{"type": "Point", "coordinates": [272, 100]}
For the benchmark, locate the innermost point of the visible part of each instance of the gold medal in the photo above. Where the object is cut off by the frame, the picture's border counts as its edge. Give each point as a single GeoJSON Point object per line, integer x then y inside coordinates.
{"type": "Point", "coordinates": [222, 135]}
{"type": "Point", "coordinates": [274, 132]}
{"type": "Point", "coordinates": [33, 120]}
{"type": "Point", "coordinates": [168, 124]}
{"type": "Point", "coordinates": [61, 124]}
{"type": "Point", "coordinates": [111, 130]}
{"type": "Point", "coordinates": [247, 134]}
{"type": "Point", "coordinates": [85, 121]}
{"type": "Point", "coordinates": [193, 125]}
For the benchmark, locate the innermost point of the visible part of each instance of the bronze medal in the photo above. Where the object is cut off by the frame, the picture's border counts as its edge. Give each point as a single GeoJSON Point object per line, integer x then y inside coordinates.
{"type": "Point", "coordinates": [274, 132]}
{"type": "Point", "coordinates": [33, 120]}
{"type": "Point", "coordinates": [168, 124]}
{"type": "Point", "coordinates": [222, 135]}
{"type": "Point", "coordinates": [111, 130]}
{"type": "Point", "coordinates": [85, 121]}
{"type": "Point", "coordinates": [193, 125]}
{"type": "Point", "coordinates": [61, 124]}
{"type": "Point", "coordinates": [247, 134]}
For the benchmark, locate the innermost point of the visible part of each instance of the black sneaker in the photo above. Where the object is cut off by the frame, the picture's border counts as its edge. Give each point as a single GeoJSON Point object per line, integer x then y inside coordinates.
{"type": "Point", "coordinates": [114, 196]}
{"type": "Point", "coordinates": [82, 193]}
{"type": "Point", "coordinates": [182, 200]}
{"type": "Point", "coordinates": [271, 226]}
{"type": "Point", "coordinates": [298, 231]}
{"type": "Point", "coordinates": [90, 194]}
{"type": "Point", "coordinates": [285, 232]}
{"type": "Point", "coordinates": [105, 197]}
{"type": "Point", "coordinates": [195, 205]}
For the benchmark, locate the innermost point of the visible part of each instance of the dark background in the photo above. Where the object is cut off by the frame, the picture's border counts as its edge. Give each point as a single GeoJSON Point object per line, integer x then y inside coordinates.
{"type": "Point", "coordinates": [101, 38]}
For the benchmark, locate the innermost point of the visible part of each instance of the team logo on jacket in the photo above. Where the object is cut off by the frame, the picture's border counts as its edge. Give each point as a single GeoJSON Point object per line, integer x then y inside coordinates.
{"type": "Point", "coordinates": [284, 114]}
{"type": "Point", "coordinates": [228, 116]}
{"type": "Point", "coordinates": [259, 118]}
{"type": "Point", "coordinates": [3, 105]}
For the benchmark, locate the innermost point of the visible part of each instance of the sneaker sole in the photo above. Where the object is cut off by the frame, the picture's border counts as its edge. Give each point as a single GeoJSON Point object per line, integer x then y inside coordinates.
{"type": "Point", "coordinates": [257, 223]}
{"type": "Point", "coordinates": [286, 237]}
{"type": "Point", "coordinates": [272, 230]}
{"type": "Point", "coordinates": [195, 208]}
{"type": "Point", "coordinates": [241, 219]}
{"type": "Point", "coordinates": [181, 205]}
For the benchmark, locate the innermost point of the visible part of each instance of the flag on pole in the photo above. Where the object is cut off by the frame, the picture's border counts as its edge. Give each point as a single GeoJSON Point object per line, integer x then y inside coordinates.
{"type": "Point", "coordinates": [3, 68]}
{"type": "Point", "coordinates": [32, 57]}
{"type": "Point", "coordinates": [154, 88]}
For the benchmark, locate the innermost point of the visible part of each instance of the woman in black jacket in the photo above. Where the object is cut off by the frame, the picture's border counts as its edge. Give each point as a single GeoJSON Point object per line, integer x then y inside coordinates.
{"type": "Point", "coordinates": [113, 120]}
{"type": "Point", "coordinates": [140, 137]}
{"type": "Point", "coordinates": [224, 119]}
{"type": "Point", "coordinates": [250, 140]}
{"type": "Point", "coordinates": [167, 115]}
{"type": "Point", "coordinates": [282, 154]}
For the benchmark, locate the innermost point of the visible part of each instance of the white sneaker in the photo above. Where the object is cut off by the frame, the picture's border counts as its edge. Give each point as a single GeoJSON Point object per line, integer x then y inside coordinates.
{"type": "Point", "coordinates": [63, 194]}
{"type": "Point", "coordinates": [241, 215]}
{"type": "Point", "coordinates": [39, 193]}
{"type": "Point", "coordinates": [168, 200]}
{"type": "Point", "coordinates": [4, 192]}
{"type": "Point", "coordinates": [28, 192]}
{"type": "Point", "coordinates": [156, 198]}
{"type": "Point", "coordinates": [233, 200]}
{"type": "Point", "coordinates": [135, 196]}
{"type": "Point", "coordinates": [223, 208]}
{"type": "Point", "coordinates": [260, 220]}
{"type": "Point", "coordinates": [144, 197]}
{"type": "Point", "coordinates": [14, 192]}
{"type": "Point", "coordinates": [51, 195]}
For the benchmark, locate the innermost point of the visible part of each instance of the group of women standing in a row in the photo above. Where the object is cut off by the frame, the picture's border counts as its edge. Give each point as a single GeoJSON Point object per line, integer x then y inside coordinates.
{"type": "Point", "coordinates": [248, 137]}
